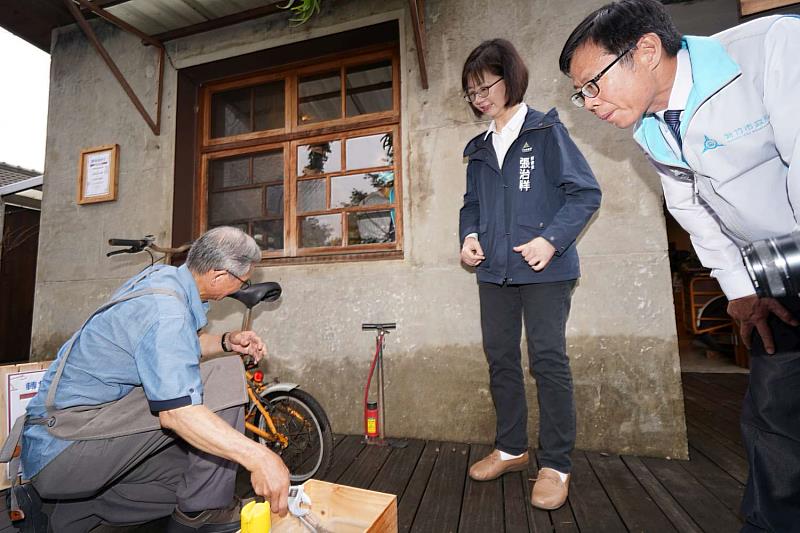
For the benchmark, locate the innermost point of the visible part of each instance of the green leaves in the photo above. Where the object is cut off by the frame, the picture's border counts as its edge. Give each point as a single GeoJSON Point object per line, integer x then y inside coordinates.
{"type": "Point", "coordinates": [302, 10]}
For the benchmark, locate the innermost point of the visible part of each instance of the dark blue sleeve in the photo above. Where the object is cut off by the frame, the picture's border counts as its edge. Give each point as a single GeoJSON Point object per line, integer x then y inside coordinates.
{"type": "Point", "coordinates": [469, 219]}
{"type": "Point", "coordinates": [568, 168]}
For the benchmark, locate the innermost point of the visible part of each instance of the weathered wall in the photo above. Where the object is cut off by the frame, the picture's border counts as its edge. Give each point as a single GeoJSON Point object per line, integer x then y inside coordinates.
{"type": "Point", "coordinates": [621, 332]}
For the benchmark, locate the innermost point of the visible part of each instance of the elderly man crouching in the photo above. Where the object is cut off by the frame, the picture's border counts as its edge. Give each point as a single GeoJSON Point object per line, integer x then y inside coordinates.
{"type": "Point", "coordinates": [128, 426]}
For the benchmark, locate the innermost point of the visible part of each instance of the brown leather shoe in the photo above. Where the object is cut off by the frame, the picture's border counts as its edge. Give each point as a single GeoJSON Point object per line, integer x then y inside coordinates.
{"type": "Point", "coordinates": [549, 492]}
{"type": "Point", "coordinates": [492, 467]}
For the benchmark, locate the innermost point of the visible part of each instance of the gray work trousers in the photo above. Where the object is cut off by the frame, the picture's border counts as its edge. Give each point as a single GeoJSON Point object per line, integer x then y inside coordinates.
{"type": "Point", "coordinates": [134, 479]}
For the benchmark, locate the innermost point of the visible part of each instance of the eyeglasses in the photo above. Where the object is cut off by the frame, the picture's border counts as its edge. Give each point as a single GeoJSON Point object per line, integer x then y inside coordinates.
{"type": "Point", "coordinates": [483, 92]}
{"type": "Point", "coordinates": [590, 89]}
{"type": "Point", "coordinates": [245, 284]}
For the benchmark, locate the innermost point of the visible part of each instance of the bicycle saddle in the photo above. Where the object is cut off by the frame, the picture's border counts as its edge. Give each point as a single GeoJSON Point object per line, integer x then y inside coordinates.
{"type": "Point", "coordinates": [257, 293]}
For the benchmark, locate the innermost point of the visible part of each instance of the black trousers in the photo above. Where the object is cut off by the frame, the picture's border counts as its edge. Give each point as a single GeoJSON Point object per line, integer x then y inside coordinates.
{"type": "Point", "coordinates": [771, 431]}
{"type": "Point", "coordinates": [545, 309]}
{"type": "Point", "coordinates": [134, 479]}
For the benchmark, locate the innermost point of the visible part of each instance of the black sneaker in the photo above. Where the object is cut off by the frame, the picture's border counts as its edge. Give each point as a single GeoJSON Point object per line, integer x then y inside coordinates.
{"type": "Point", "coordinates": [226, 520]}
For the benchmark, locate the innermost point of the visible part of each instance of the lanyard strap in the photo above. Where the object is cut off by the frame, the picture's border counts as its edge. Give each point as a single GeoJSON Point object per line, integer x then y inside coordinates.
{"type": "Point", "coordinates": [51, 393]}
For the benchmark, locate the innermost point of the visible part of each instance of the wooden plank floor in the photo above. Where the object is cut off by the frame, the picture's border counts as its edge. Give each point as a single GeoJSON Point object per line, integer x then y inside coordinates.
{"type": "Point", "coordinates": [609, 493]}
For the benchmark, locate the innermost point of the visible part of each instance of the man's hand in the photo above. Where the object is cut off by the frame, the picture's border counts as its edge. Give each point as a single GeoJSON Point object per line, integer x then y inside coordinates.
{"type": "Point", "coordinates": [270, 480]}
{"type": "Point", "coordinates": [247, 343]}
{"type": "Point", "coordinates": [471, 252]}
{"type": "Point", "coordinates": [537, 253]}
{"type": "Point", "coordinates": [752, 312]}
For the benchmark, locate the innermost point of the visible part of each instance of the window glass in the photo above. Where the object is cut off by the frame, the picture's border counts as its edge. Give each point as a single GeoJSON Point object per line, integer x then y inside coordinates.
{"type": "Point", "coordinates": [248, 109]}
{"type": "Point", "coordinates": [268, 167]}
{"type": "Point", "coordinates": [370, 227]}
{"type": "Point", "coordinates": [319, 158]}
{"type": "Point", "coordinates": [268, 234]}
{"type": "Point", "coordinates": [321, 230]}
{"type": "Point", "coordinates": [233, 205]}
{"type": "Point", "coordinates": [369, 88]}
{"type": "Point", "coordinates": [310, 195]}
{"type": "Point", "coordinates": [370, 151]}
{"type": "Point", "coordinates": [375, 188]}
{"type": "Point", "coordinates": [319, 98]}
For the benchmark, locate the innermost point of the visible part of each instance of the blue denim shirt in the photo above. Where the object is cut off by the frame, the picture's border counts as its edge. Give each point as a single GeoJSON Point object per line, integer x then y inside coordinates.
{"type": "Point", "coordinates": [150, 341]}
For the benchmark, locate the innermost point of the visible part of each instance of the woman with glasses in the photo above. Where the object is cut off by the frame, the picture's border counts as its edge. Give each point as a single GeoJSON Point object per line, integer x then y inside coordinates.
{"type": "Point", "coordinates": [529, 194]}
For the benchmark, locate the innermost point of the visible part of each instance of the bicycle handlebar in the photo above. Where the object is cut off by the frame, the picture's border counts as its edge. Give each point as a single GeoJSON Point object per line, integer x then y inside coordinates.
{"type": "Point", "coordinates": [139, 245]}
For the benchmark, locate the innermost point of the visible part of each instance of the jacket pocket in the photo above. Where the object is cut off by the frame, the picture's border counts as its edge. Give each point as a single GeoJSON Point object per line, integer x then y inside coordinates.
{"type": "Point", "coordinates": [528, 227]}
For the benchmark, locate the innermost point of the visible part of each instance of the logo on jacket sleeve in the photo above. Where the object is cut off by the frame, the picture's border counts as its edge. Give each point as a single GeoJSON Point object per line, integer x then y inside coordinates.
{"type": "Point", "coordinates": [710, 144]}
{"type": "Point", "coordinates": [526, 166]}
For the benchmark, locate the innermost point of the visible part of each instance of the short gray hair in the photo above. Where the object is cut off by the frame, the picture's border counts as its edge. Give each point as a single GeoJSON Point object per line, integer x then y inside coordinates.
{"type": "Point", "coordinates": [223, 248]}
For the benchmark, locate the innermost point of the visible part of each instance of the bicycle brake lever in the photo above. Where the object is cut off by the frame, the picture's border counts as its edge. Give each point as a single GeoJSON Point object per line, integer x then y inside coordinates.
{"type": "Point", "coordinates": [115, 252]}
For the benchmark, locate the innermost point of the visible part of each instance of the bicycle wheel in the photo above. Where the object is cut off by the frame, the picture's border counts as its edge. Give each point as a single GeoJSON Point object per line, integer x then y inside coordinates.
{"type": "Point", "coordinates": [301, 418]}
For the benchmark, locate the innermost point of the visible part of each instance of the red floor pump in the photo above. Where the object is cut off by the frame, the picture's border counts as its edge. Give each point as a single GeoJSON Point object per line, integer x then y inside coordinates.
{"type": "Point", "coordinates": [375, 411]}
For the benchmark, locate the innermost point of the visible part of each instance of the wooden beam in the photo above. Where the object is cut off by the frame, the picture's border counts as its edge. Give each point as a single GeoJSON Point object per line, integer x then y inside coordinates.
{"type": "Point", "coordinates": [155, 125]}
{"type": "Point", "coordinates": [227, 20]}
{"type": "Point", "coordinates": [751, 7]}
{"type": "Point", "coordinates": [418, 21]}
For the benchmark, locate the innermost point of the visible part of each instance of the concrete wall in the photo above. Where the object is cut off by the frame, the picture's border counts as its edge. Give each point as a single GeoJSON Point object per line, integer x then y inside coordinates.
{"type": "Point", "coordinates": [621, 334]}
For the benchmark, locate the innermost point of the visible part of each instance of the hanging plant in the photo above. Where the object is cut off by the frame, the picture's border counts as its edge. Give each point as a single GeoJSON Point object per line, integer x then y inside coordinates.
{"type": "Point", "coordinates": [302, 10]}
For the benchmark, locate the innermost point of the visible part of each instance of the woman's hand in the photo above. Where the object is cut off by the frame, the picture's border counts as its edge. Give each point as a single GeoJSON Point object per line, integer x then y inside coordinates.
{"type": "Point", "coordinates": [537, 253]}
{"type": "Point", "coordinates": [471, 252]}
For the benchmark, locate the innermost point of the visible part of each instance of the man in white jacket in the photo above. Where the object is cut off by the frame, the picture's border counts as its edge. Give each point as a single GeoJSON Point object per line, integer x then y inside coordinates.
{"type": "Point", "coordinates": [719, 118]}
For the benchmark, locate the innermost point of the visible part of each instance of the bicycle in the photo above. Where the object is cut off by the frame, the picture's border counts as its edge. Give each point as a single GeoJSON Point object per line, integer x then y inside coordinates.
{"type": "Point", "coordinates": [279, 415]}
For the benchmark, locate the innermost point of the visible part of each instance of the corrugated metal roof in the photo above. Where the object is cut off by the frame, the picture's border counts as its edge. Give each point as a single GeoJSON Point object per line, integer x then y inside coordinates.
{"type": "Point", "coordinates": [10, 174]}
{"type": "Point", "coordinates": [158, 16]}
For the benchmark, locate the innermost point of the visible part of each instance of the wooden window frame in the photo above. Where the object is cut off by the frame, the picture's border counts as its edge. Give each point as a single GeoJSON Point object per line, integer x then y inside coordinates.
{"type": "Point", "coordinates": [293, 135]}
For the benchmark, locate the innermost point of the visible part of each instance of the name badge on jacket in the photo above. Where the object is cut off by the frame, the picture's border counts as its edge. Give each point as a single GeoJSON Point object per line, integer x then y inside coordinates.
{"type": "Point", "coordinates": [526, 166]}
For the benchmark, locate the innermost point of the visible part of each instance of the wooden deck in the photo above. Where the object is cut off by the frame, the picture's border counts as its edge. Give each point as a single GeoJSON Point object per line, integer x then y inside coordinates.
{"type": "Point", "coordinates": [608, 493]}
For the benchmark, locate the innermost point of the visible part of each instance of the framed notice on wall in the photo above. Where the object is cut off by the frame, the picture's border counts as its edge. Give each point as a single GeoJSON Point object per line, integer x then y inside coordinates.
{"type": "Point", "coordinates": [97, 175]}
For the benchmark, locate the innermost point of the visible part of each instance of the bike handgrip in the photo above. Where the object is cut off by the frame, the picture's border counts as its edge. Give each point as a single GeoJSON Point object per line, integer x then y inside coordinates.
{"type": "Point", "coordinates": [386, 325]}
{"type": "Point", "coordinates": [136, 243]}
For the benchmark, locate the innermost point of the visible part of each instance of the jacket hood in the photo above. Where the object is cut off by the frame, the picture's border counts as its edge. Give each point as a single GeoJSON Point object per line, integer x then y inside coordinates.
{"type": "Point", "coordinates": [533, 119]}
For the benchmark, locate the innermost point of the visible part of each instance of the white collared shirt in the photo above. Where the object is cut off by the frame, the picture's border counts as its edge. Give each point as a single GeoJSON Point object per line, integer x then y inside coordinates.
{"type": "Point", "coordinates": [678, 97]}
{"type": "Point", "coordinates": [501, 140]}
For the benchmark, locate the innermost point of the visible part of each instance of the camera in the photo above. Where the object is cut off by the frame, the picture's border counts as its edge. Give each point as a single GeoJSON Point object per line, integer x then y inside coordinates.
{"type": "Point", "coordinates": [774, 265]}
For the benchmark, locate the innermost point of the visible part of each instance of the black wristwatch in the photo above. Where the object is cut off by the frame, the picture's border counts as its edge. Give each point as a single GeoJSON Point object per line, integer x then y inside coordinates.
{"type": "Point", "coordinates": [224, 344]}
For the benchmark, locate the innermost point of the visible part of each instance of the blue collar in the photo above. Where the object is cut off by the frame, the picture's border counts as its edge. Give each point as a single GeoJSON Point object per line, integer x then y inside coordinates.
{"type": "Point", "coordinates": [198, 307]}
{"type": "Point", "coordinates": [712, 69]}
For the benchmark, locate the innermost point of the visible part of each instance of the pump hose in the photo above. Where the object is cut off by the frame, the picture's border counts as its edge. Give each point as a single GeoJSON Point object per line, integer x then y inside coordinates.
{"type": "Point", "coordinates": [372, 370]}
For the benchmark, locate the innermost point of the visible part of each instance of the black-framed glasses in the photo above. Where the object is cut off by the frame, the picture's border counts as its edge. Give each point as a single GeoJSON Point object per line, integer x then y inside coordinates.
{"type": "Point", "coordinates": [483, 92]}
{"type": "Point", "coordinates": [590, 89]}
{"type": "Point", "coordinates": [245, 284]}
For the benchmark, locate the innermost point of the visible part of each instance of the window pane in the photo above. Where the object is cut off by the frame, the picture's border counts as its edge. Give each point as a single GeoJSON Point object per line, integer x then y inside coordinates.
{"type": "Point", "coordinates": [319, 158]}
{"type": "Point", "coordinates": [319, 98]}
{"type": "Point", "coordinates": [268, 234]}
{"type": "Point", "coordinates": [375, 188]}
{"type": "Point", "coordinates": [310, 195]}
{"type": "Point", "coordinates": [268, 106]}
{"type": "Point", "coordinates": [371, 151]}
{"type": "Point", "coordinates": [370, 227]}
{"type": "Point", "coordinates": [369, 88]}
{"type": "Point", "coordinates": [230, 112]}
{"type": "Point", "coordinates": [323, 230]}
{"type": "Point", "coordinates": [230, 172]}
{"type": "Point", "coordinates": [234, 205]}
{"type": "Point", "coordinates": [275, 200]}
{"type": "Point", "coordinates": [268, 167]}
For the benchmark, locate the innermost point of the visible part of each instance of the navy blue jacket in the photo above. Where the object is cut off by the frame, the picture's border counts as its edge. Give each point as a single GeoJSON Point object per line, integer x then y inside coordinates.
{"type": "Point", "coordinates": [545, 188]}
